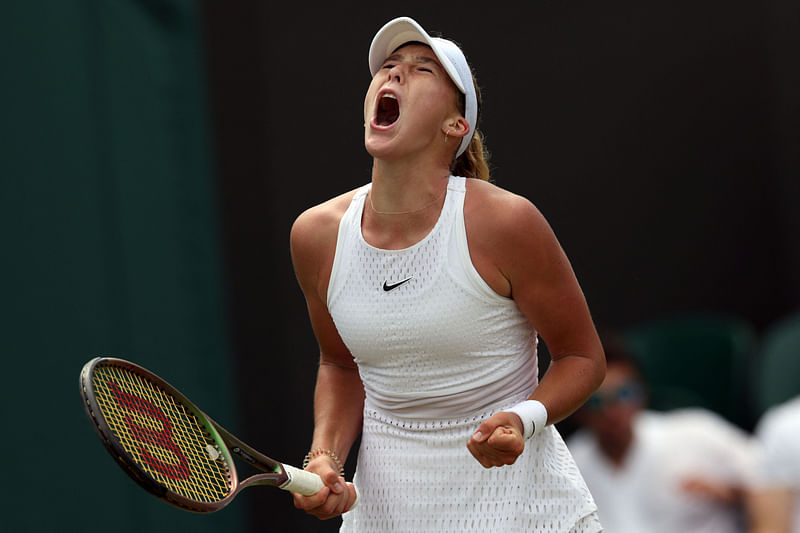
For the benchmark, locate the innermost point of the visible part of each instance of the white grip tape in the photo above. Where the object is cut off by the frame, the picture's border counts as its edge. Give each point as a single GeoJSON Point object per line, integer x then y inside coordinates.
{"type": "Point", "coordinates": [534, 417]}
{"type": "Point", "coordinates": [302, 481]}
{"type": "Point", "coordinates": [307, 483]}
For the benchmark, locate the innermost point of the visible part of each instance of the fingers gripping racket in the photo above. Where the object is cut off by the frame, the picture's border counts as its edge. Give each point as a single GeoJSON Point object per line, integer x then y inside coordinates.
{"type": "Point", "coordinates": [169, 446]}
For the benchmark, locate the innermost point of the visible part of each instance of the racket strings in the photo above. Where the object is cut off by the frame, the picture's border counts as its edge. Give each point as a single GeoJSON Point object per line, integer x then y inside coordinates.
{"type": "Point", "coordinates": [166, 440]}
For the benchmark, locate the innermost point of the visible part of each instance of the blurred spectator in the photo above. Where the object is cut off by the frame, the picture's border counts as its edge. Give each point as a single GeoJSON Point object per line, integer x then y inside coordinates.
{"type": "Point", "coordinates": [775, 505]}
{"type": "Point", "coordinates": [680, 471]}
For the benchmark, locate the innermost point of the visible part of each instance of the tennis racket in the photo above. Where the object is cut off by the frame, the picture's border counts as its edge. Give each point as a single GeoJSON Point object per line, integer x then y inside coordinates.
{"type": "Point", "coordinates": [168, 445]}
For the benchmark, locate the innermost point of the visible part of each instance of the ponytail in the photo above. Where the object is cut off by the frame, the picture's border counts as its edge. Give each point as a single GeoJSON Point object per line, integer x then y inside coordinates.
{"type": "Point", "coordinates": [474, 162]}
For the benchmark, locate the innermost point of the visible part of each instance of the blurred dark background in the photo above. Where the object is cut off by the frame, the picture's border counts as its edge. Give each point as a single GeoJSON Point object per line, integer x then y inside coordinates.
{"type": "Point", "coordinates": [154, 154]}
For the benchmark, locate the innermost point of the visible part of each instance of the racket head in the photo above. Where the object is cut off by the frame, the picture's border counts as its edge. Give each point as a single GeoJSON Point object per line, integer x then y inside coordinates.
{"type": "Point", "coordinates": [158, 437]}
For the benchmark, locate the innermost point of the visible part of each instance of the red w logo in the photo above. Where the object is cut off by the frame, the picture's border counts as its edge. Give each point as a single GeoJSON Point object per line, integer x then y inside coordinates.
{"type": "Point", "coordinates": [144, 435]}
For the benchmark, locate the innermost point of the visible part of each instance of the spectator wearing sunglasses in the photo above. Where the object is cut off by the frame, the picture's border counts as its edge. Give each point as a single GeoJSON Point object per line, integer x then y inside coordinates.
{"type": "Point", "coordinates": [680, 471]}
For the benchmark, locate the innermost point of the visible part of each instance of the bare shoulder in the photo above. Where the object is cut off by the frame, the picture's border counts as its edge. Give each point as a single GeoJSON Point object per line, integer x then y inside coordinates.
{"type": "Point", "coordinates": [506, 234]}
{"type": "Point", "coordinates": [320, 223]}
{"type": "Point", "coordinates": [499, 213]}
{"type": "Point", "coordinates": [313, 240]}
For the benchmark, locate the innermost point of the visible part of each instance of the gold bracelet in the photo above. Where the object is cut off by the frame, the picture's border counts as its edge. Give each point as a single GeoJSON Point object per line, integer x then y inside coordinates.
{"type": "Point", "coordinates": [313, 454]}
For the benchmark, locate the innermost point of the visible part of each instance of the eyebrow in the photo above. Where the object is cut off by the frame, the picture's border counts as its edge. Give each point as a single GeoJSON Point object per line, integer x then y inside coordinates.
{"type": "Point", "coordinates": [419, 60]}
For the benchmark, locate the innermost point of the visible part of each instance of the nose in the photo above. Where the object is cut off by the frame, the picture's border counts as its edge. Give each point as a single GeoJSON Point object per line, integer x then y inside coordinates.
{"type": "Point", "coordinates": [396, 73]}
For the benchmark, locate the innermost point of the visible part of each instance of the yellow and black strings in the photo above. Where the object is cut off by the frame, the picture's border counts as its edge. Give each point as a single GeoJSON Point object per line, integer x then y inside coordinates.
{"type": "Point", "coordinates": [165, 439]}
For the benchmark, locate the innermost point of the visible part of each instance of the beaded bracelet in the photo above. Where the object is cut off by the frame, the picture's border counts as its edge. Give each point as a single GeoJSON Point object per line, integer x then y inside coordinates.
{"type": "Point", "coordinates": [313, 454]}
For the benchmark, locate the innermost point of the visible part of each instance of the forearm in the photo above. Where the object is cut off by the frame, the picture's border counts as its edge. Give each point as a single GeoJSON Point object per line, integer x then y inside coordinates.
{"type": "Point", "coordinates": [338, 408]}
{"type": "Point", "coordinates": [568, 383]}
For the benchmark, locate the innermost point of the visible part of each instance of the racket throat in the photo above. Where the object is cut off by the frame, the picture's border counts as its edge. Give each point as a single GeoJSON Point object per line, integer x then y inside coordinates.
{"type": "Point", "coordinates": [280, 480]}
{"type": "Point", "coordinates": [272, 467]}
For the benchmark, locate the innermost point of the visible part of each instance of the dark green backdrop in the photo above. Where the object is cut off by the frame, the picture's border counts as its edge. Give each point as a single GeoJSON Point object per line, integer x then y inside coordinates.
{"type": "Point", "coordinates": [109, 247]}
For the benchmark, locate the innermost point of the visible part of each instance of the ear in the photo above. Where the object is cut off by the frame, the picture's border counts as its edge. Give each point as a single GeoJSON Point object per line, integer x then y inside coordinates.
{"type": "Point", "coordinates": [456, 127]}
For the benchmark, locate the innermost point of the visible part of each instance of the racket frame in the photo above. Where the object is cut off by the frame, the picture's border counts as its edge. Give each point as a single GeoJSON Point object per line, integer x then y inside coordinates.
{"type": "Point", "coordinates": [276, 474]}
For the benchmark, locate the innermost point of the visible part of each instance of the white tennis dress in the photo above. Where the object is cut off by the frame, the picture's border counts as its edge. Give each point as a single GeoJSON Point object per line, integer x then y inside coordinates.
{"type": "Point", "coordinates": [439, 351]}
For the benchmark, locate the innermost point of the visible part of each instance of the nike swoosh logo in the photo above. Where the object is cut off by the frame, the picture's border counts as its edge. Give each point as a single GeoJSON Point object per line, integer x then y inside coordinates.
{"type": "Point", "coordinates": [389, 286]}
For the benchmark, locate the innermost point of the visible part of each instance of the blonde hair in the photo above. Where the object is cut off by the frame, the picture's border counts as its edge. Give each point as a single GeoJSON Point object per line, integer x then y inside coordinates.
{"type": "Point", "coordinates": [474, 162]}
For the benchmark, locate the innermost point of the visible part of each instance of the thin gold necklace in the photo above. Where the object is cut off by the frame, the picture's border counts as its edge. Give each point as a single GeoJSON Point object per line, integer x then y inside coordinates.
{"type": "Point", "coordinates": [417, 210]}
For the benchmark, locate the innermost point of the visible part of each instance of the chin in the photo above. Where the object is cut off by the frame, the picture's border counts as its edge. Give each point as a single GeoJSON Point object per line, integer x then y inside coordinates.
{"type": "Point", "coordinates": [379, 149]}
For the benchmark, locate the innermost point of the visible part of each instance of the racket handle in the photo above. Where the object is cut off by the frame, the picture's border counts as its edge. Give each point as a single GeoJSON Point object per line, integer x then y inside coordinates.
{"type": "Point", "coordinates": [302, 481]}
{"type": "Point", "coordinates": [307, 483]}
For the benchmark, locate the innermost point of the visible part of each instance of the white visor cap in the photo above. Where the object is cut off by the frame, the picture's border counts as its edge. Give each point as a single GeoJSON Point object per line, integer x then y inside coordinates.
{"type": "Point", "coordinates": [403, 30]}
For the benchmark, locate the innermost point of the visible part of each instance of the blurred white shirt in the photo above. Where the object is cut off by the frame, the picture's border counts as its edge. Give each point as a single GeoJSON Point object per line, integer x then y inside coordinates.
{"type": "Point", "coordinates": [645, 494]}
{"type": "Point", "coordinates": [778, 433]}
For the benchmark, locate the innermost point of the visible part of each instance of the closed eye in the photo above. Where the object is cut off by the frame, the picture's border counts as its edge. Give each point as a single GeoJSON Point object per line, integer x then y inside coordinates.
{"type": "Point", "coordinates": [424, 63]}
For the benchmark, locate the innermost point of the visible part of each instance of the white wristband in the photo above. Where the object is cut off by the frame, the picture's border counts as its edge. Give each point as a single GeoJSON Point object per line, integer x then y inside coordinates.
{"type": "Point", "coordinates": [534, 417]}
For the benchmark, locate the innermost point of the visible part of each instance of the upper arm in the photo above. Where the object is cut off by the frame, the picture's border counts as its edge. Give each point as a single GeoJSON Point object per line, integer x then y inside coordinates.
{"type": "Point", "coordinates": [313, 245]}
{"type": "Point", "coordinates": [544, 285]}
{"type": "Point", "coordinates": [525, 254]}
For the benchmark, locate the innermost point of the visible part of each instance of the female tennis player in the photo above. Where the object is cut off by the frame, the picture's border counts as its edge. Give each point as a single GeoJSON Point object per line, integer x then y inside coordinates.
{"type": "Point", "coordinates": [427, 290]}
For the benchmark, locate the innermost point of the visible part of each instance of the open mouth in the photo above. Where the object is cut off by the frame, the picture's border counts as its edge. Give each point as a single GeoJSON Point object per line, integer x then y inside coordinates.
{"type": "Point", "coordinates": [388, 110]}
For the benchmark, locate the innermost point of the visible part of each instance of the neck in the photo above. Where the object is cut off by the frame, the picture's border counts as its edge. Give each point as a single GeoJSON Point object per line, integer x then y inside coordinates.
{"type": "Point", "coordinates": [409, 211]}
{"type": "Point", "coordinates": [406, 189]}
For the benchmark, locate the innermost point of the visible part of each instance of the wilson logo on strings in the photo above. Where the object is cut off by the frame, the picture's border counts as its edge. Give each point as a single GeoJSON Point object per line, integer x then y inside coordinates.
{"type": "Point", "coordinates": [152, 438]}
